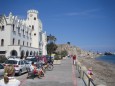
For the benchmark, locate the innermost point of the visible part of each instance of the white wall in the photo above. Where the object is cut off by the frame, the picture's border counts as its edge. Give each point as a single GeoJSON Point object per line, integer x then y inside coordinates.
{"type": "Point", "coordinates": [8, 34]}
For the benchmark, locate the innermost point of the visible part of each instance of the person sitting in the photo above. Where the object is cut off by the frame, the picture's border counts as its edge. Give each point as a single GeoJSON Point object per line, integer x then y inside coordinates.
{"type": "Point", "coordinates": [90, 73]}
{"type": "Point", "coordinates": [9, 79]}
{"type": "Point", "coordinates": [35, 70]}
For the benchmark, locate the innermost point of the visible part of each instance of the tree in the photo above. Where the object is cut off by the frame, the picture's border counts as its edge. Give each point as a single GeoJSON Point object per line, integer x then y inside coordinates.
{"type": "Point", "coordinates": [51, 38]}
{"type": "Point", "coordinates": [64, 53]}
{"type": "Point", "coordinates": [51, 46]}
{"type": "Point", "coordinates": [68, 43]}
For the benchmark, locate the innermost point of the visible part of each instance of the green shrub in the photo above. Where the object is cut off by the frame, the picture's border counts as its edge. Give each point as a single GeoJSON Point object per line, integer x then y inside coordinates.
{"type": "Point", "coordinates": [2, 59]}
{"type": "Point", "coordinates": [56, 57]}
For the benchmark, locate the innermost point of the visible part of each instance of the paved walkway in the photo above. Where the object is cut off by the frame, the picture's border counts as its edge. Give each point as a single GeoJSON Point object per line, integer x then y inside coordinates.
{"type": "Point", "coordinates": [62, 75]}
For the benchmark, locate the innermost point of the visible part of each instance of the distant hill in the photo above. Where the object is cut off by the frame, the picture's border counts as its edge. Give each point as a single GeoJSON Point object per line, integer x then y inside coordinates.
{"type": "Point", "coordinates": [74, 50]}
{"type": "Point", "coordinates": [71, 49]}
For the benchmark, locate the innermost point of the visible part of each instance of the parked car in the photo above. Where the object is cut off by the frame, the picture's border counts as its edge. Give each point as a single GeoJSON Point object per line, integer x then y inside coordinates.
{"type": "Point", "coordinates": [19, 64]}
{"type": "Point", "coordinates": [31, 59]}
{"type": "Point", "coordinates": [1, 70]}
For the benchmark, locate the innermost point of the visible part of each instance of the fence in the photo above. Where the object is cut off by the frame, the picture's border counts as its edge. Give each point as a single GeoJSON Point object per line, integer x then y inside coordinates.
{"type": "Point", "coordinates": [83, 75]}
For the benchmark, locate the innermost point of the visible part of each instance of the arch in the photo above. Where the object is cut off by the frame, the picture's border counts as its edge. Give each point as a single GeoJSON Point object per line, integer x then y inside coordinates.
{"type": "Point", "coordinates": [13, 53]}
{"type": "Point", "coordinates": [30, 53]}
{"type": "Point", "coordinates": [27, 53]}
{"type": "Point", "coordinates": [22, 54]}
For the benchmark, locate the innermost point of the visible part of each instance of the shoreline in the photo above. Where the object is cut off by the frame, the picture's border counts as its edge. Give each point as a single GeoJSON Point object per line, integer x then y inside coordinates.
{"type": "Point", "coordinates": [104, 73]}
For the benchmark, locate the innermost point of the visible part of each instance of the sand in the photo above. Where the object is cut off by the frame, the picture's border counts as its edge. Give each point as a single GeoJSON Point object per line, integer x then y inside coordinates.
{"type": "Point", "coordinates": [104, 73]}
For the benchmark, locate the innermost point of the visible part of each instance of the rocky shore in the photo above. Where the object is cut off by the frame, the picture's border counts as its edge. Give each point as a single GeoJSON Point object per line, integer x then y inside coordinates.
{"type": "Point", "coordinates": [104, 73]}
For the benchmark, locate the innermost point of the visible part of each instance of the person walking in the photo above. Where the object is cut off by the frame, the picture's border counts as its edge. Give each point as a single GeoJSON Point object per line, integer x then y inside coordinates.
{"type": "Point", "coordinates": [74, 59]}
{"type": "Point", "coordinates": [9, 79]}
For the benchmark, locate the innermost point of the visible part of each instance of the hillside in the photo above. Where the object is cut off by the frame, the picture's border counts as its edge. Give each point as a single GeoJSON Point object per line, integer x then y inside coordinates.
{"type": "Point", "coordinates": [72, 50]}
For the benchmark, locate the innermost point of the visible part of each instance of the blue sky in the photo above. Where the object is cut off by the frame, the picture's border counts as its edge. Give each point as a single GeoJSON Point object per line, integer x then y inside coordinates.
{"type": "Point", "coordinates": [88, 24]}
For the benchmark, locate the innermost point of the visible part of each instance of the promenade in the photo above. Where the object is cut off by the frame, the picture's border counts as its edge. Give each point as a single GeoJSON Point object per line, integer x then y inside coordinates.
{"type": "Point", "coordinates": [62, 75]}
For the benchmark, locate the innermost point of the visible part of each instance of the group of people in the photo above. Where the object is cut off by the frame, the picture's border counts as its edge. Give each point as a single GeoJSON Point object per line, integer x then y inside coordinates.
{"type": "Point", "coordinates": [38, 71]}
{"type": "Point", "coordinates": [9, 72]}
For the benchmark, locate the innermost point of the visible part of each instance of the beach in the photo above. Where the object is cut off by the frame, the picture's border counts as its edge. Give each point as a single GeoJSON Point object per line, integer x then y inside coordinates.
{"type": "Point", "coordinates": [103, 72]}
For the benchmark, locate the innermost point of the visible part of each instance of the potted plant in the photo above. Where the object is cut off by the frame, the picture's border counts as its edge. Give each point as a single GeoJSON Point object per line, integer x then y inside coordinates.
{"type": "Point", "coordinates": [57, 59]}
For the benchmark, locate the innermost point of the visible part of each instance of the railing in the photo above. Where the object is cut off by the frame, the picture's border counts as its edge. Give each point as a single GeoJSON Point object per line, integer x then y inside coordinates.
{"type": "Point", "coordinates": [87, 80]}
{"type": "Point", "coordinates": [83, 75]}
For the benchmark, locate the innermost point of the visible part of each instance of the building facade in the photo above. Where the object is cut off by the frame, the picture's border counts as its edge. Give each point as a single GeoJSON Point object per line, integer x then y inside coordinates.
{"type": "Point", "coordinates": [22, 37]}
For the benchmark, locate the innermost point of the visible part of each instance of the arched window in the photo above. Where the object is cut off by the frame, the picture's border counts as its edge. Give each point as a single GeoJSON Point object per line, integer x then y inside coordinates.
{"type": "Point", "coordinates": [32, 27]}
{"type": "Point", "coordinates": [34, 34]}
{"type": "Point", "coordinates": [13, 41]}
{"type": "Point", "coordinates": [2, 42]}
{"type": "Point", "coordinates": [34, 18]}
{"type": "Point", "coordinates": [31, 53]}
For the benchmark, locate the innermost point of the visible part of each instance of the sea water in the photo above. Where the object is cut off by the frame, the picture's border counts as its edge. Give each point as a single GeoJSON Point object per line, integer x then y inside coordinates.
{"type": "Point", "coordinates": [107, 58]}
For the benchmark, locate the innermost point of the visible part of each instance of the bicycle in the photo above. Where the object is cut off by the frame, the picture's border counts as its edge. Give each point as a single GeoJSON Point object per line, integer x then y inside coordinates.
{"type": "Point", "coordinates": [48, 66]}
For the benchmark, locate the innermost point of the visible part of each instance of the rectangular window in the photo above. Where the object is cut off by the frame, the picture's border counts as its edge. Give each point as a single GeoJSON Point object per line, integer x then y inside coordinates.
{"type": "Point", "coordinates": [23, 43]}
{"type": "Point", "coordinates": [18, 42]}
{"type": "Point", "coordinates": [18, 29]}
{"type": "Point", "coordinates": [27, 43]}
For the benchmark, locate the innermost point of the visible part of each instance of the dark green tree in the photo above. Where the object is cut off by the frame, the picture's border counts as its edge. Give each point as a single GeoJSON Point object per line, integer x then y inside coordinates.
{"type": "Point", "coordinates": [51, 39]}
{"type": "Point", "coordinates": [51, 46]}
{"type": "Point", "coordinates": [68, 43]}
{"type": "Point", "coordinates": [64, 53]}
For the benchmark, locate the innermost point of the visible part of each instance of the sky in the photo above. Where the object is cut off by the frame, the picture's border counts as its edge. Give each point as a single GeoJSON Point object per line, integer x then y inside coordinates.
{"type": "Point", "coordinates": [88, 24]}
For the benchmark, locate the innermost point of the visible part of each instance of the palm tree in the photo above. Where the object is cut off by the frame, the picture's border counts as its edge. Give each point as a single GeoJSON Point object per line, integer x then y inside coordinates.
{"type": "Point", "coordinates": [51, 38]}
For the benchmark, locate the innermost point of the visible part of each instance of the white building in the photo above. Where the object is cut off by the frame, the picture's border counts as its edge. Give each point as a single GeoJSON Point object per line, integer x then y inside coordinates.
{"type": "Point", "coordinates": [22, 37]}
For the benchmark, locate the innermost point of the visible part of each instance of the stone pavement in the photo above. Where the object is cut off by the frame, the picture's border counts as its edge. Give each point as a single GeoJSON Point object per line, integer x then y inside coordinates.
{"type": "Point", "coordinates": [62, 75]}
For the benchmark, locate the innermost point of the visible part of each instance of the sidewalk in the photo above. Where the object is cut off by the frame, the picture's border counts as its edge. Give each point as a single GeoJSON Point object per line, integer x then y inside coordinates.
{"type": "Point", "coordinates": [62, 75]}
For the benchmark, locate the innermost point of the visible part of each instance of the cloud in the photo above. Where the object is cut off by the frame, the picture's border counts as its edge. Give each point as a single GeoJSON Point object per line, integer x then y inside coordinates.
{"type": "Point", "coordinates": [85, 12]}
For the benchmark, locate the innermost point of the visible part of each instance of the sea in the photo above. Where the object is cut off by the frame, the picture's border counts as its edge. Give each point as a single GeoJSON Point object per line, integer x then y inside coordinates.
{"type": "Point", "coordinates": [107, 58]}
